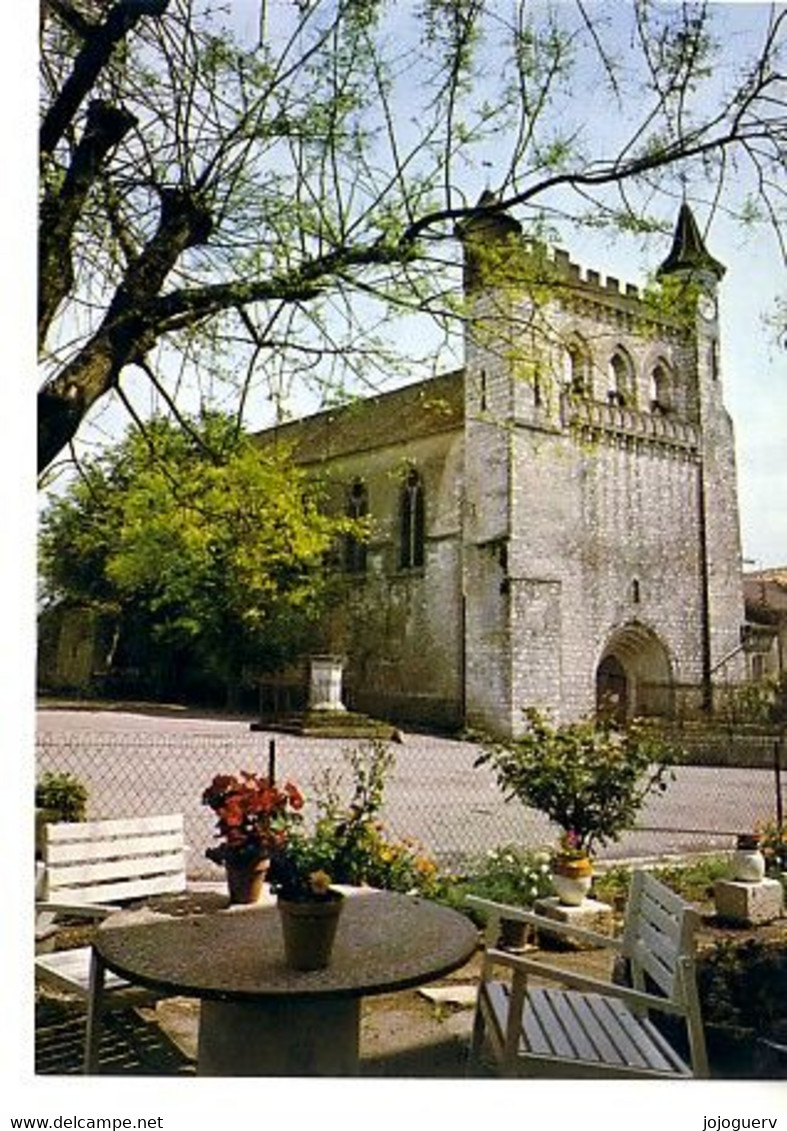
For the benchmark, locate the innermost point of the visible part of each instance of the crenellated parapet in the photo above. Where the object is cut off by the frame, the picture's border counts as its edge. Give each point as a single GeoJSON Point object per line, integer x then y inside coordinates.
{"type": "Point", "coordinates": [585, 292]}
{"type": "Point", "coordinates": [599, 420]}
{"type": "Point", "coordinates": [607, 286]}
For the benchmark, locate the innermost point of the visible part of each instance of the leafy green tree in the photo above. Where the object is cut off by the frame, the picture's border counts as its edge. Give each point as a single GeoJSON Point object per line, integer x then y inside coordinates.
{"type": "Point", "coordinates": [590, 777]}
{"type": "Point", "coordinates": [208, 546]}
{"type": "Point", "coordinates": [237, 200]}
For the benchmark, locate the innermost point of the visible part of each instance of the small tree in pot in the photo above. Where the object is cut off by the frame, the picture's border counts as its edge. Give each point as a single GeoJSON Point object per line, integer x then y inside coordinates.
{"type": "Point", "coordinates": [590, 777]}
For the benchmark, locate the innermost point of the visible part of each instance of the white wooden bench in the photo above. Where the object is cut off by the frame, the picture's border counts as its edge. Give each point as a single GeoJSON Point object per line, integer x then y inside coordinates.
{"type": "Point", "coordinates": [593, 1029]}
{"type": "Point", "coordinates": [90, 869]}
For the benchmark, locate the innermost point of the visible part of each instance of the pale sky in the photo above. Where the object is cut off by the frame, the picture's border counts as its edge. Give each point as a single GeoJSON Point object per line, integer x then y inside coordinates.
{"type": "Point", "coordinates": [754, 369]}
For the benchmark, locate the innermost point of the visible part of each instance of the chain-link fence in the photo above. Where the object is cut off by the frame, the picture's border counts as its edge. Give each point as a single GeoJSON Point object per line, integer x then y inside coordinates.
{"type": "Point", "coordinates": [434, 792]}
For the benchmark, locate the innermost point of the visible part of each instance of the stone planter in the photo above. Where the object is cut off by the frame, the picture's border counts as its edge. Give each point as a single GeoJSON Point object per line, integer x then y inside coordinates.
{"type": "Point", "coordinates": [325, 683]}
{"type": "Point", "coordinates": [748, 862]}
{"type": "Point", "coordinates": [571, 878]}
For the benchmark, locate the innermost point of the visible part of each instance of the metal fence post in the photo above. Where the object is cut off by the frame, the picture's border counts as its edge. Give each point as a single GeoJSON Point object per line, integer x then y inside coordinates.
{"type": "Point", "coordinates": [777, 772]}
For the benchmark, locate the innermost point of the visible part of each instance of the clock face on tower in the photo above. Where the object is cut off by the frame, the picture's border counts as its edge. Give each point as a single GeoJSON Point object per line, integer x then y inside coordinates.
{"type": "Point", "coordinates": [707, 307]}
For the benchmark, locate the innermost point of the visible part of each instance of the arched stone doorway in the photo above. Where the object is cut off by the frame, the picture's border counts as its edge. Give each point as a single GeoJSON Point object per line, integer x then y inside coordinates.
{"type": "Point", "coordinates": [634, 675]}
{"type": "Point", "coordinates": [612, 689]}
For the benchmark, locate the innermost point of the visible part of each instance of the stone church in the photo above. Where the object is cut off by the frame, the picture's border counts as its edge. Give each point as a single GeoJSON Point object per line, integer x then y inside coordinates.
{"type": "Point", "coordinates": [555, 524]}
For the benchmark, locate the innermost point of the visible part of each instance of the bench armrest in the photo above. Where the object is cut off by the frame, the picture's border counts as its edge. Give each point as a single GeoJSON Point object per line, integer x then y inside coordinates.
{"type": "Point", "coordinates": [505, 911]}
{"type": "Point", "coordinates": [86, 910]}
{"type": "Point", "coordinates": [574, 980]}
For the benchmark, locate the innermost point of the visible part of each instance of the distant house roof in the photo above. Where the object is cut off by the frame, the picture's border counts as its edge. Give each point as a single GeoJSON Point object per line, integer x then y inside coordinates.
{"type": "Point", "coordinates": [765, 595]}
{"type": "Point", "coordinates": [414, 411]}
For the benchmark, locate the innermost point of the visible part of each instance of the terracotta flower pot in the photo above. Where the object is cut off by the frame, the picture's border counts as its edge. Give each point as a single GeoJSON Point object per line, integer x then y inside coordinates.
{"type": "Point", "coordinates": [245, 881]}
{"type": "Point", "coordinates": [309, 929]}
{"type": "Point", "coordinates": [513, 935]}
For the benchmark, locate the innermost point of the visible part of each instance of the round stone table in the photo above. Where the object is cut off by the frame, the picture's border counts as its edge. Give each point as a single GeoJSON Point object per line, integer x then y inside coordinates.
{"type": "Point", "coordinates": [258, 1017]}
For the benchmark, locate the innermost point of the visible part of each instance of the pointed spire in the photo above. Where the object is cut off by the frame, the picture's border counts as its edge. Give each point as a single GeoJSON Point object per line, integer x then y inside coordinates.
{"type": "Point", "coordinates": [689, 252]}
{"type": "Point", "coordinates": [488, 219]}
{"type": "Point", "coordinates": [490, 239]}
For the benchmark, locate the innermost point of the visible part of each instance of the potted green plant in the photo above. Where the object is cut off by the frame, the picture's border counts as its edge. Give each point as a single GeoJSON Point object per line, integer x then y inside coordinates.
{"type": "Point", "coordinates": [59, 796]}
{"type": "Point", "coordinates": [589, 777]}
{"type": "Point", "coordinates": [308, 905]}
{"type": "Point", "coordinates": [253, 817]}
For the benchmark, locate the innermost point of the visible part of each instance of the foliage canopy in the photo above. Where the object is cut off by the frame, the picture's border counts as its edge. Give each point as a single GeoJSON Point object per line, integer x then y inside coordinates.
{"type": "Point", "coordinates": [199, 539]}
{"type": "Point", "coordinates": [234, 202]}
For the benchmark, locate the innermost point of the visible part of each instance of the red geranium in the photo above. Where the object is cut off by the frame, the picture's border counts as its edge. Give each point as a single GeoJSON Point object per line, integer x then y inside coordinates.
{"type": "Point", "coordinates": [253, 815]}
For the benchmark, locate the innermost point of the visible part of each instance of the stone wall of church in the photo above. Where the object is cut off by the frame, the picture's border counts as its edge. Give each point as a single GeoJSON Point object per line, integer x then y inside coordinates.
{"type": "Point", "coordinates": [722, 529]}
{"type": "Point", "coordinates": [612, 543]}
{"type": "Point", "coordinates": [569, 513]}
{"type": "Point", "coordinates": [400, 629]}
{"type": "Point", "coordinates": [486, 525]}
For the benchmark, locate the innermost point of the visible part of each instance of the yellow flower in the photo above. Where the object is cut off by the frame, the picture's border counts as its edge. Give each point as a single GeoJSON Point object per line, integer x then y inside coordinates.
{"type": "Point", "coordinates": [319, 882]}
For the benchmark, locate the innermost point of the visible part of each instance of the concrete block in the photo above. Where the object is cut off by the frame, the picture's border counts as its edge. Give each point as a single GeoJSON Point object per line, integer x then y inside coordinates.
{"type": "Point", "coordinates": [739, 902]}
{"type": "Point", "coordinates": [590, 914]}
{"type": "Point", "coordinates": [462, 996]}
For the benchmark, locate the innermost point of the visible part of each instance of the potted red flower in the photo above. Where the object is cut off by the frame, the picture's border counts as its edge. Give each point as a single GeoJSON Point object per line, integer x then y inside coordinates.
{"type": "Point", "coordinates": [254, 816]}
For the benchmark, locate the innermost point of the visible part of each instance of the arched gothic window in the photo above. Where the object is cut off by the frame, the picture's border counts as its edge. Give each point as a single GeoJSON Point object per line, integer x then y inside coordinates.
{"type": "Point", "coordinates": [621, 379]}
{"type": "Point", "coordinates": [357, 507]}
{"type": "Point", "coordinates": [579, 379]}
{"type": "Point", "coordinates": [411, 522]}
{"type": "Point", "coordinates": [660, 388]}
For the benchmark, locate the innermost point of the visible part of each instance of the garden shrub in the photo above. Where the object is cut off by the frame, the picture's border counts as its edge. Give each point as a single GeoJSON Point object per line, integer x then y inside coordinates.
{"type": "Point", "coordinates": [354, 844]}
{"type": "Point", "coordinates": [511, 874]}
{"type": "Point", "coordinates": [589, 777]}
{"type": "Point", "coordinates": [773, 842]}
{"type": "Point", "coordinates": [743, 984]}
{"type": "Point", "coordinates": [692, 881]}
{"type": "Point", "coordinates": [62, 794]}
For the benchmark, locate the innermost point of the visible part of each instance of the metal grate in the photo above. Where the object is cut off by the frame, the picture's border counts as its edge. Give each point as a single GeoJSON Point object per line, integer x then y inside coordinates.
{"type": "Point", "coordinates": [434, 793]}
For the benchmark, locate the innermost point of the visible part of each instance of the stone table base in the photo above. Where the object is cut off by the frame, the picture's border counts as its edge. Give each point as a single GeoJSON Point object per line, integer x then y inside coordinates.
{"type": "Point", "coordinates": [279, 1038]}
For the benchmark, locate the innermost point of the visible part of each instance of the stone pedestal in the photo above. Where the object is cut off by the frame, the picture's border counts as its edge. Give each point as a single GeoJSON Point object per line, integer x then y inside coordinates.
{"type": "Point", "coordinates": [590, 914]}
{"type": "Point", "coordinates": [290, 1037]}
{"type": "Point", "coordinates": [747, 904]}
{"type": "Point", "coordinates": [325, 683]}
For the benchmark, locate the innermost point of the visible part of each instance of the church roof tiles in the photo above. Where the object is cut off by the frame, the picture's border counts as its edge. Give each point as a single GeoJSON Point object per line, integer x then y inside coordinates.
{"type": "Point", "coordinates": [411, 412]}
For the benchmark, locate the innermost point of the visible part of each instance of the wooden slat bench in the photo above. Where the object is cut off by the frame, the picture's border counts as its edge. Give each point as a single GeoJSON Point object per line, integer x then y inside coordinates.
{"type": "Point", "coordinates": [94, 862]}
{"type": "Point", "coordinates": [91, 869]}
{"type": "Point", "coordinates": [594, 1028]}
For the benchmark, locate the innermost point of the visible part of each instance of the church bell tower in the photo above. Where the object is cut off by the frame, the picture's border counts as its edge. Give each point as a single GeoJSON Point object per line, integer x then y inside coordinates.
{"type": "Point", "coordinates": [698, 275]}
